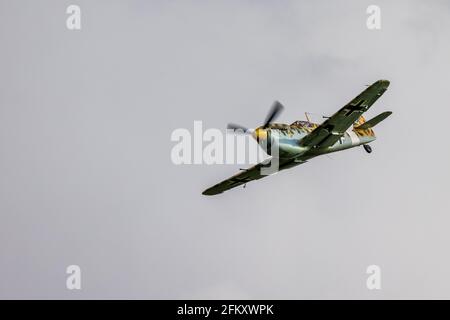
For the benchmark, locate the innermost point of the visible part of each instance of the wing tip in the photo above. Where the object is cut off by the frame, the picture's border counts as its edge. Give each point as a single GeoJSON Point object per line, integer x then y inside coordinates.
{"type": "Point", "coordinates": [210, 192]}
{"type": "Point", "coordinates": [383, 82]}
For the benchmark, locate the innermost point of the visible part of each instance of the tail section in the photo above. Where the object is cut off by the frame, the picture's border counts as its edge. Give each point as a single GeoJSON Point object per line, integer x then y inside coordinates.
{"type": "Point", "coordinates": [358, 127]}
{"type": "Point", "coordinates": [359, 122]}
{"type": "Point", "coordinates": [365, 128]}
{"type": "Point", "coordinates": [374, 121]}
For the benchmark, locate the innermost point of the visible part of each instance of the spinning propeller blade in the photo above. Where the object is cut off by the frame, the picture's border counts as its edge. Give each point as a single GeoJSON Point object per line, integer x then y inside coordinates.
{"type": "Point", "coordinates": [274, 112]}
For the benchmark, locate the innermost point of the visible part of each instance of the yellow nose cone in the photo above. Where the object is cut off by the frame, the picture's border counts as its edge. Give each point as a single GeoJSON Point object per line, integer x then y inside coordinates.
{"type": "Point", "coordinates": [260, 134]}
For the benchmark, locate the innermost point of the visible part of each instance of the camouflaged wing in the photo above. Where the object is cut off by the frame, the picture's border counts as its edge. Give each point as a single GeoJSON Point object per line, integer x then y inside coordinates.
{"type": "Point", "coordinates": [329, 132]}
{"type": "Point", "coordinates": [247, 175]}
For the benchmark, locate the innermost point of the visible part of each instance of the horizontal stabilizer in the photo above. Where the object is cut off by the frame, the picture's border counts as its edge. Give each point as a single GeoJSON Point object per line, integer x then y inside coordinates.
{"type": "Point", "coordinates": [374, 121]}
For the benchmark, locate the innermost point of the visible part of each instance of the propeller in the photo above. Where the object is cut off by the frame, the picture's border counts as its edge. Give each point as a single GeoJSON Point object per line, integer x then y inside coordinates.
{"type": "Point", "coordinates": [274, 112]}
{"type": "Point", "coordinates": [235, 127]}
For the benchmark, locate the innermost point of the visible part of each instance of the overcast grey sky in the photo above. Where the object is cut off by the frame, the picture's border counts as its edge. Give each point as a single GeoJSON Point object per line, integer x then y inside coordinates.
{"type": "Point", "coordinates": [86, 176]}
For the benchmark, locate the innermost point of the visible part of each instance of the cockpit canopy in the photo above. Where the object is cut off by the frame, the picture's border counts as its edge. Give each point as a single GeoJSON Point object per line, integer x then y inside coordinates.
{"type": "Point", "coordinates": [303, 124]}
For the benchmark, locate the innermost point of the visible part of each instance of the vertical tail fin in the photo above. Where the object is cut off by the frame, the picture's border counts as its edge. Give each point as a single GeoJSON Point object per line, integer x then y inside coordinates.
{"type": "Point", "coordinates": [361, 129]}
{"type": "Point", "coordinates": [359, 122]}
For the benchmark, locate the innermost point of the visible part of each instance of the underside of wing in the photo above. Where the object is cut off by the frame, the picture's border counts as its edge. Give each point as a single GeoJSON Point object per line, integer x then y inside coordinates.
{"type": "Point", "coordinates": [247, 175]}
{"type": "Point", "coordinates": [331, 130]}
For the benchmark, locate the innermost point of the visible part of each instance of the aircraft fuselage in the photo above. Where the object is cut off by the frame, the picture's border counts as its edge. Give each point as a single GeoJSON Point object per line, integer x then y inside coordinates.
{"type": "Point", "coordinates": [283, 141]}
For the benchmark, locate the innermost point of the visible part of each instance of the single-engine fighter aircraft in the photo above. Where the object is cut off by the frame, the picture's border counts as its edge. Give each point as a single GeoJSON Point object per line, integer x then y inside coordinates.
{"type": "Point", "coordinates": [302, 140]}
